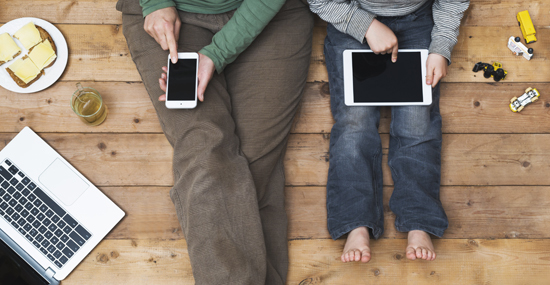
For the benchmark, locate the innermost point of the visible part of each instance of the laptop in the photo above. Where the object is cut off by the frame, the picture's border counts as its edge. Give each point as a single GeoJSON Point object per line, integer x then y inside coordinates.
{"type": "Point", "coordinates": [51, 216]}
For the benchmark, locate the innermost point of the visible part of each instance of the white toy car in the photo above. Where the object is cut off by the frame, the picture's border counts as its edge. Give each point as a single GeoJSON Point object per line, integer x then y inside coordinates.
{"type": "Point", "coordinates": [518, 48]}
{"type": "Point", "coordinates": [530, 95]}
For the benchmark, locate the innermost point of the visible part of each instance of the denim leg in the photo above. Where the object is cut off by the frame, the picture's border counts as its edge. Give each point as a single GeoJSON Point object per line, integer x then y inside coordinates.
{"type": "Point", "coordinates": [415, 143]}
{"type": "Point", "coordinates": [415, 162]}
{"type": "Point", "coordinates": [354, 187]}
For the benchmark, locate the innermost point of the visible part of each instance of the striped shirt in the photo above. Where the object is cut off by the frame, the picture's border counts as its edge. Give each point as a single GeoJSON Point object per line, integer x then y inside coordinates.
{"type": "Point", "coordinates": [353, 17]}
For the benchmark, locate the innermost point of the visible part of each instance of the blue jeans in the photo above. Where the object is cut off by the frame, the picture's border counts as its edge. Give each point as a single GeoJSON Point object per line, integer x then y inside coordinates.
{"type": "Point", "coordinates": [354, 187]}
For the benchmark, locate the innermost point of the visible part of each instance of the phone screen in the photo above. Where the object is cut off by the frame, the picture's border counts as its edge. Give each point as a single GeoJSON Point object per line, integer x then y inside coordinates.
{"type": "Point", "coordinates": [181, 84]}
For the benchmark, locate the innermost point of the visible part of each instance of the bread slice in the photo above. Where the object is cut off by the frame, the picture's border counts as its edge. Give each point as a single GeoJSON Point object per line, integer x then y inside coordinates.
{"type": "Point", "coordinates": [19, 81]}
{"type": "Point", "coordinates": [44, 36]}
{"type": "Point", "coordinates": [7, 45]}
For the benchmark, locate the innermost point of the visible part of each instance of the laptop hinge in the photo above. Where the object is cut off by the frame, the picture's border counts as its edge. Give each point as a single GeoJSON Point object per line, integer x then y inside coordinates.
{"type": "Point", "coordinates": [49, 272]}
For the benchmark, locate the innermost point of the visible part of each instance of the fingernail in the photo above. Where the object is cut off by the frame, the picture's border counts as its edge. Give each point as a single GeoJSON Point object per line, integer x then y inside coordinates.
{"type": "Point", "coordinates": [393, 60]}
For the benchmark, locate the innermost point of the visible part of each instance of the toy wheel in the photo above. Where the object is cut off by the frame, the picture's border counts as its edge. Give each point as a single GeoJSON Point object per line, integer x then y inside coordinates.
{"type": "Point", "coordinates": [513, 99]}
{"type": "Point", "coordinates": [530, 50]}
{"type": "Point", "coordinates": [534, 99]}
{"type": "Point", "coordinates": [520, 108]}
{"type": "Point", "coordinates": [517, 39]}
{"type": "Point", "coordinates": [519, 24]}
{"type": "Point", "coordinates": [528, 89]}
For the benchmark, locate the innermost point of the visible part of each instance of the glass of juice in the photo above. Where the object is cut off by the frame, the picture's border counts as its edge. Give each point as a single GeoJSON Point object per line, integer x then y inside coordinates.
{"type": "Point", "coordinates": [88, 105]}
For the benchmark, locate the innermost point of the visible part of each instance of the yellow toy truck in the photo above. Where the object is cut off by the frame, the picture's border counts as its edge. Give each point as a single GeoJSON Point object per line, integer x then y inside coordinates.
{"type": "Point", "coordinates": [527, 28]}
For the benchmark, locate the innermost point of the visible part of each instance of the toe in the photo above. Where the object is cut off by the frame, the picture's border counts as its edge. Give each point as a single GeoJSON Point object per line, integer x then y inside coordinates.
{"type": "Point", "coordinates": [424, 253]}
{"type": "Point", "coordinates": [343, 257]}
{"type": "Point", "coordinates": [365, 256]}
{"type": "Point", "coordinates": [433, 256]}
{"type": "Point", "coordinates": [410, 253]}
{"type": "Point", "coordinates": [418, 252]}
{"type": "Point", "coordinates": [429, 255]}
{"type": "Point", "coordinates": [357, 255]}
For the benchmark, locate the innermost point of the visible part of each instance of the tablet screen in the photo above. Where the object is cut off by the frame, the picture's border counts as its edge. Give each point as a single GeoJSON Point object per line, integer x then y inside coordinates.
{"type": "Point", "coordinates": [377, 79]}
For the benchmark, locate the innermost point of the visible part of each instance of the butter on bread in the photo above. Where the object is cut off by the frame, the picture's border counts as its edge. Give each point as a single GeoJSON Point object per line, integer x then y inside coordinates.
{"type": "Point", "coordinates": [28, 35]}
{"type": "Point", "coordinates": [24, 72]}
{"type": "Point", "coordinates": [8, 48]}
{"type": "Point", "coordinates": [28, 69]}
{"type": "Point", "coordinates": [43, 55]}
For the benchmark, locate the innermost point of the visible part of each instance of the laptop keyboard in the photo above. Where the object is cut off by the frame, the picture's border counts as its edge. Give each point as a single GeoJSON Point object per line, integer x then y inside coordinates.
{"type": "Point", "coordinates": [37, 217]}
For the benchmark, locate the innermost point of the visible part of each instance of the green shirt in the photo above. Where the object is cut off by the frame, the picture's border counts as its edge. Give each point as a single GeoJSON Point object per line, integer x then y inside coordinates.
{"type": "Point", "coordinates": [246, 24]}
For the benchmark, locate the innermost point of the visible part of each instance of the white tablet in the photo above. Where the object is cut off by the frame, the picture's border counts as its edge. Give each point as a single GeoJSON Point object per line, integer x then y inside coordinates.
{"type": "Point", "coordinates": [373, 80]}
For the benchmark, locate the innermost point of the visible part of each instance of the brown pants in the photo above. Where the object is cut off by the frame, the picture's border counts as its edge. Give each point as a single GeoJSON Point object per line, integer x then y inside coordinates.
{"type": "Point", "coordinates": [228, 151]}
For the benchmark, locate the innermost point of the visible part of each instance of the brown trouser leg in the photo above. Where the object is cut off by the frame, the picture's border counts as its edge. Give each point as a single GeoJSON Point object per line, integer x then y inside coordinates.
{"type": "Point", "coordinates": [228, 152]}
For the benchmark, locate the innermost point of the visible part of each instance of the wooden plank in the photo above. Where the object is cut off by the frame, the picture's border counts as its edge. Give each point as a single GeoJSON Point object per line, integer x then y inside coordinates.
{"type": "Point", "coordinates": [62, 11]}
{"type": "Point", "coordinates": [130, 109]}
{"type": "Point", "coordinates": [480, 159]}
{"type": "Point", "coordinates": [475, 44]}
{"type": "Point", "coordinates": [97, 53]}
{"type": "Point", "coordinates": [100, 53]}
{"type": "Point", "coordinates": [473, 212]}
{"type": "Point", "coordinates": [462, 261]}
{"type": "Point", "coordinates": [134, 261]}
{"type": "Point", "coordinates": [480, 12]}
{"type": "Point", "coordinates": [150, 213]}
{"type": "Point", "coordinates": [145, 159]}
{"type": "Point", "coordinates": [458, 262]}
{"type": "Point", "coordinates": [465, 108]}
{"type": "Point", "coordinates": [114, 159]}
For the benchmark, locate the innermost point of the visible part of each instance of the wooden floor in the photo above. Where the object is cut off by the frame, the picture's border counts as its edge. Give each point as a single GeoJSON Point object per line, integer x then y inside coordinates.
{"type": "Point", "coordinates": [495, 172]}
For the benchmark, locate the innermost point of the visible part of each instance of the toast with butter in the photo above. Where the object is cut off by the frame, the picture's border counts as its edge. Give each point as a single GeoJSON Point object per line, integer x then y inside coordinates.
{"type": "Point", "coordinates": [8, 48]}
{"type": "Point", "coordinates": [42, 54]}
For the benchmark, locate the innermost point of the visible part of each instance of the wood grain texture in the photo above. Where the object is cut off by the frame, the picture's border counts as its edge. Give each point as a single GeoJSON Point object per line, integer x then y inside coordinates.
{"type": "Point", "coordinates": [465, 108]}
{"type": "Point", "coordinates": [480, 12]}
{"type": "Point", "coordinates": [62, 11]}
{"type": "Point", "coordinates": [460, 261]}
{"type": "Point", "coordinates": [145, 159]}
{"type": "Point", "coordinates": [475, 44]}
{"type": "Point", "coordinates": [474, 212]}
{"type": "Point", "coordinates": [467, 159]}
{"type": "Point", "coordinates": [130, 109]}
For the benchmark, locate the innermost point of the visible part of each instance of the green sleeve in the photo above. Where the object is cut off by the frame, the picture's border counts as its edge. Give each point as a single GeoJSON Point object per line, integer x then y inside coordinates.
{"type": "Point", "coordinates": [150, 6]}
{"type": "Point", "coordinates": [246, 24]}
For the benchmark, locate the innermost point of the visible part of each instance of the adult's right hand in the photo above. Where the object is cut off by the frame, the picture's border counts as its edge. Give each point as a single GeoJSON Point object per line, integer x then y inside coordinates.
{"type": "Point", "coordinates": [381, 39]}
{"type": "Point", "coordinates": [164, 26]}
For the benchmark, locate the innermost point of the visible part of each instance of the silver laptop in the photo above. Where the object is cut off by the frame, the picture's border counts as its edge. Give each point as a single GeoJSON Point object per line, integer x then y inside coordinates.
{"type": "Point", "coordinates": [51, 216]}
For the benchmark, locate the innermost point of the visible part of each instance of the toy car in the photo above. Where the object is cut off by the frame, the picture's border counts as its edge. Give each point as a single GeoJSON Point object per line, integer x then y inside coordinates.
{"type": "Point", "coordinates": [530, 95]}
{"type": "Point", "coordinates": [526, 25]}
{"type": "Point", "coordinates": [518, 48]}
{"type": "Point", "coordinates": [495, 70]}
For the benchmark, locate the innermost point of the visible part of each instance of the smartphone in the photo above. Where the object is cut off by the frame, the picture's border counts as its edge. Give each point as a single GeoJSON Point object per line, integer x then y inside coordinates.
{"type": "Point", "coordinates": [181, 82]}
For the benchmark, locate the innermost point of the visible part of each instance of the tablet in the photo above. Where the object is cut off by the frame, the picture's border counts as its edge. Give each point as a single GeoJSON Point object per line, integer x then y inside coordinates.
{"type": "Point", "coordinates": [373, 80]}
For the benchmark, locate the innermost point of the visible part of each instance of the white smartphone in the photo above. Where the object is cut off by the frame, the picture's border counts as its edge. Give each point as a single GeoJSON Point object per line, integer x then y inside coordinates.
{"type": "Point", "coordinates": [181, 82]}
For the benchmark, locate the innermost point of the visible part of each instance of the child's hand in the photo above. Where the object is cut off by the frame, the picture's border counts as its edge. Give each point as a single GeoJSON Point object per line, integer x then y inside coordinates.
{"type": "Point", "coordinates": [436, 68]}
{"type": "Point", "coordinates": [381, 39]}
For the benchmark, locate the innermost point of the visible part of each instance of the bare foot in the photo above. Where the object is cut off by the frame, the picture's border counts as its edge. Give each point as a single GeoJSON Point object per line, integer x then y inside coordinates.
{"type": "Point", "coordinates": [357, 246]}
{"type": "Point", "coordinates": [420, 246]}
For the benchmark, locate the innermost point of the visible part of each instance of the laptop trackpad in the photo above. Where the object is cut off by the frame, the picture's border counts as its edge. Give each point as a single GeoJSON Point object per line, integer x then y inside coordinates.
{"type": "Point", "coordinates": [66, 185]}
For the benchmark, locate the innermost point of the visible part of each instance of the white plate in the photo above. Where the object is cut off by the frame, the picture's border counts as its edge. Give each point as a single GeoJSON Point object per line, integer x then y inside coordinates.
{"type": "Point", "coordinates": [52, 73]}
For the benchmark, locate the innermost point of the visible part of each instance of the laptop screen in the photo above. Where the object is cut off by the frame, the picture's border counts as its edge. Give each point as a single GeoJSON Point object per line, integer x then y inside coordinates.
{"type": "Point", "coordinates": [14, 270]}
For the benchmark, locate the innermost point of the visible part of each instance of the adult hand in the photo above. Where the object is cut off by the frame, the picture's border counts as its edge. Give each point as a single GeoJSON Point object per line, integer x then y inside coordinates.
{"type": "Point", "coordinates": [205, 73]}
{"type": "Point", "coordinates": [436, 68]}
{"type": "Point", "coordinates": [164, 26]}
{"type": "Point", "coordinates": [381, 39]}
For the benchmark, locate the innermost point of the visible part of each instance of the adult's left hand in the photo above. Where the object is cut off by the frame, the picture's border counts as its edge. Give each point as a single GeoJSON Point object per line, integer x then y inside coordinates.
{"type": "Point", "coordinates": [436, 68]}
{"type": "Point", "coordinates": [205, 73]}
